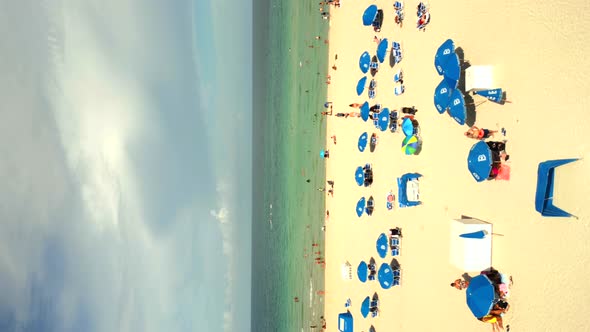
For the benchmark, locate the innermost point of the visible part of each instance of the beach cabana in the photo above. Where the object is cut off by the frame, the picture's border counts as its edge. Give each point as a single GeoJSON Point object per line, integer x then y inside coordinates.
{"type": "Point", "coordinates": [470, 244]}
{"type": "Point", "coordinates": [545, 185]}
{"type": "Point", "coordinates": [408, 190]}
{"type": "Point", "coordinates": [345, 322]}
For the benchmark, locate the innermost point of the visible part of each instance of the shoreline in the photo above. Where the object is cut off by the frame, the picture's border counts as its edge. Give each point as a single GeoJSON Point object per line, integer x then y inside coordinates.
{"type": "Point", "coordinates": [447, 189]}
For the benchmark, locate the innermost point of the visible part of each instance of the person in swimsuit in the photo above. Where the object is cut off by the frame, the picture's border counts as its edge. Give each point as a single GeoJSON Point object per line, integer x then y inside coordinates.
{"type": "Point", "coordinates": [479, 133]}
{"type": "Point", "coordinates": [460, 284]}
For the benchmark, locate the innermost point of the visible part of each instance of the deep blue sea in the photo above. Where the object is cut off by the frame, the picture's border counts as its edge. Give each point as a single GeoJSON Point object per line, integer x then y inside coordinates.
{"type": "Point", "coordinates": [288, 132]}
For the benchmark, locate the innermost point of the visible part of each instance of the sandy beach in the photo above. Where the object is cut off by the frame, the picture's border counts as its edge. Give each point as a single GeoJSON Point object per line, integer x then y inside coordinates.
{"type": "Point", "coordinates": [539, 57]}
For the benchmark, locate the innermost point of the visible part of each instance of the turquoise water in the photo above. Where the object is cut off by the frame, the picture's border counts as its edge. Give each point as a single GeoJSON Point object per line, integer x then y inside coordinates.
{"type": "Point", "coordinates": [289, 92]}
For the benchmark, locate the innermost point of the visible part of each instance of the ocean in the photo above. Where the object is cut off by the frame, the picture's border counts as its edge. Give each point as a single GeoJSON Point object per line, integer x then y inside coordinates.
{"type": "Point", "coordinates": [288, 132]}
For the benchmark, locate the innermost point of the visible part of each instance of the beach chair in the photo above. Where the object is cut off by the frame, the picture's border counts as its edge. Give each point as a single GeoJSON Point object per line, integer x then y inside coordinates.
{"type": "Point", "coordinates": [399, 90]}
{"type": "Point", "coordinates": [398, 77]}
{"type": "Point", "coordinates": [398, 5]}
{"type": "Point", "coordinates": [372, 94]}
{"type": "Point", "coordinates": [421, 9]}
{"type": "Point", "coordinates": [371, 277]}
{"type": "Point", "coordinates": [396, 46]}
{"type": "Point", "coordinates": [397, 56]}
{"type": "Point", "coordinates": [397, 277]}
{"type": "Point", "coordinates": [421, 25]}
{"type": "Point", "coordinates": [393, 121]}
{"type": "Point", "coordinates": [348, 303]}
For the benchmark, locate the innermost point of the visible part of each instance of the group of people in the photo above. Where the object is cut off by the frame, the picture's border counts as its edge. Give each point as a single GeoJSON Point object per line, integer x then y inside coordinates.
{"type": "Point", "coordinates": [502, 285]}
{"type": "Point", "coordinates": [500, 170]}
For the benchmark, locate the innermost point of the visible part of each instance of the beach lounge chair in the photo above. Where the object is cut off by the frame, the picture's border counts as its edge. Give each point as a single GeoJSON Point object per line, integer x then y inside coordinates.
{"type": "Point", "coordinates": [399, 90]}
{"type": "Point", "coordinates": [396, 46]}
{"type": "Point", "coordinates": [398, 77]}
{"type": "Point", "coordinates": [393, 121]}
{"type": "Point", "coordinates": [397, 55]}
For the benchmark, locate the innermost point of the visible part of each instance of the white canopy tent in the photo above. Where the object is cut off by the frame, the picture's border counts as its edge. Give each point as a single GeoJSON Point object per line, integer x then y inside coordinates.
{"type": "Point", "coordinates": [469, 254]}
{"type": "Point", "coordinates": [479, 77]}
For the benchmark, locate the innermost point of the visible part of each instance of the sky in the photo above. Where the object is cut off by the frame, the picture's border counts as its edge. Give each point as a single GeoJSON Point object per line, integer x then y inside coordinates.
{"type": "Point", "coordinates": [126, 165]}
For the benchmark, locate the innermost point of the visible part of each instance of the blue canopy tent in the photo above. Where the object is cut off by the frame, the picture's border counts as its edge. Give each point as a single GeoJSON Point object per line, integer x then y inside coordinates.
{"type": "Point", "coordinates": [479, 161]}
{"type": "Point", "coordinates": [345, 322]}
{"type": "Point", "coordinates": [458, 110]}
{"type": "Point", "coordinates": [365, 307]}
{"type": "Point", "coordinates": [495, 95]}
{"type": "Point", "coordinates": [383, 119]}
{"type": "Point", "coordinates": [382, 245]}
{"type": "Point", "coordinates": [365, 111]}
{"type": "Point", "coordinates": [360, 207]}
{"type": "Point", "coordinates": [364, 62]}
{"type": "Point", "coordinates": [480, 295]}
{"type": "Point", "coordinates": [360, 86]}
{"type": "Point", "coordinates": [385, 276]}
{"type": "Point", "coordinates": [382, 50]}
{"type": "Point", "coordinates": [442, 95]}
{"type": "Point", "coordinates": [369, 15]}
{"type": "Point", "coordinates": [359, 176]}
{"type": "Point", "coordinates": [545, 185]}
{"type": "Point", "coordinates": [402, 183]}
{"type": "Point", "coordinates": [362, 271]}
{"type": "Point", "coordinates": [363, 139]}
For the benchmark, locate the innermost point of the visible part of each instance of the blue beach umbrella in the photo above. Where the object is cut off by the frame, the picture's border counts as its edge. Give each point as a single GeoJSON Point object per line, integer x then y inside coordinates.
{"type": "Point", "coordinates": [362, 271]}
{"type": "Point", "coordinates": [364, 62]}
{"type": "Point", "coordinates": [446, 61]}
{"type": "Point", "coordinates": [359, 176]}
{"type": "Point", "coordinates": [442, 95]}
{"type": "Point", "coordinates": [360, 206]}
{"type": "Point", "coordinates": [453, 68]}
{"type": "Point", "coordinates": [410, 144]}
{"type": "Point", "coordinates": [479, 161]}
{"type": "Point", "coordinates": [408, 127]}
{"type": "Point", "coordinates": [382, 245]}
{"type": "Point", "coordinates": [360, 86]}
{"type": "Point", "coordinates": [457, 108]}
{"type": "Point", "coordinates": [382, 49]}
{"type": "Point", "coordinates": [363, 139]}
{"type": "Point", "coordinates": [384, 119]}
{"type": "Point", "coordinates": [365, 111]}
{"type": "Point", "coordinates": [365, 307]}
{"type": "Point", "coordinates": [480, 295]}
{"type": "Point", "coordinates": [474, 235]}
{"type": "Point", "coordinates": [369, 15]}
{"type": "Point", "coordinates": [494, 95]}
{"type": "Point", "coordinates": [385, 276]}
{"type": "Point", "coordinates": [443, 53]}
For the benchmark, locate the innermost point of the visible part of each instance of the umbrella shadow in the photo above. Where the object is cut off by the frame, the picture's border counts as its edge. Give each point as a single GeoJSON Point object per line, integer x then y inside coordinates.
{"type": "Point", "coordinates": [395, 264]}
{"type": "Point", "coordinates": [374, 71]}
{"type": "Point", "coordinates": [372, 261]}
{"type": "Point", "coordinates": [372, 329]}
{"type": "Point", "coordinates": [471, 114]}
{"type": "Point", "coordinates": [467, 277]}
{"type": "Point", "coordinates": [464, 65]}
{"type": "Point", "coordinates": [375, 297]}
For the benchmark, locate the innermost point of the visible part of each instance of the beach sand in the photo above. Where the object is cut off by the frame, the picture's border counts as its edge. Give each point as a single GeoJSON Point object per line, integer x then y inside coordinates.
{"type": "Point", "coordinates": [539, 51]}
